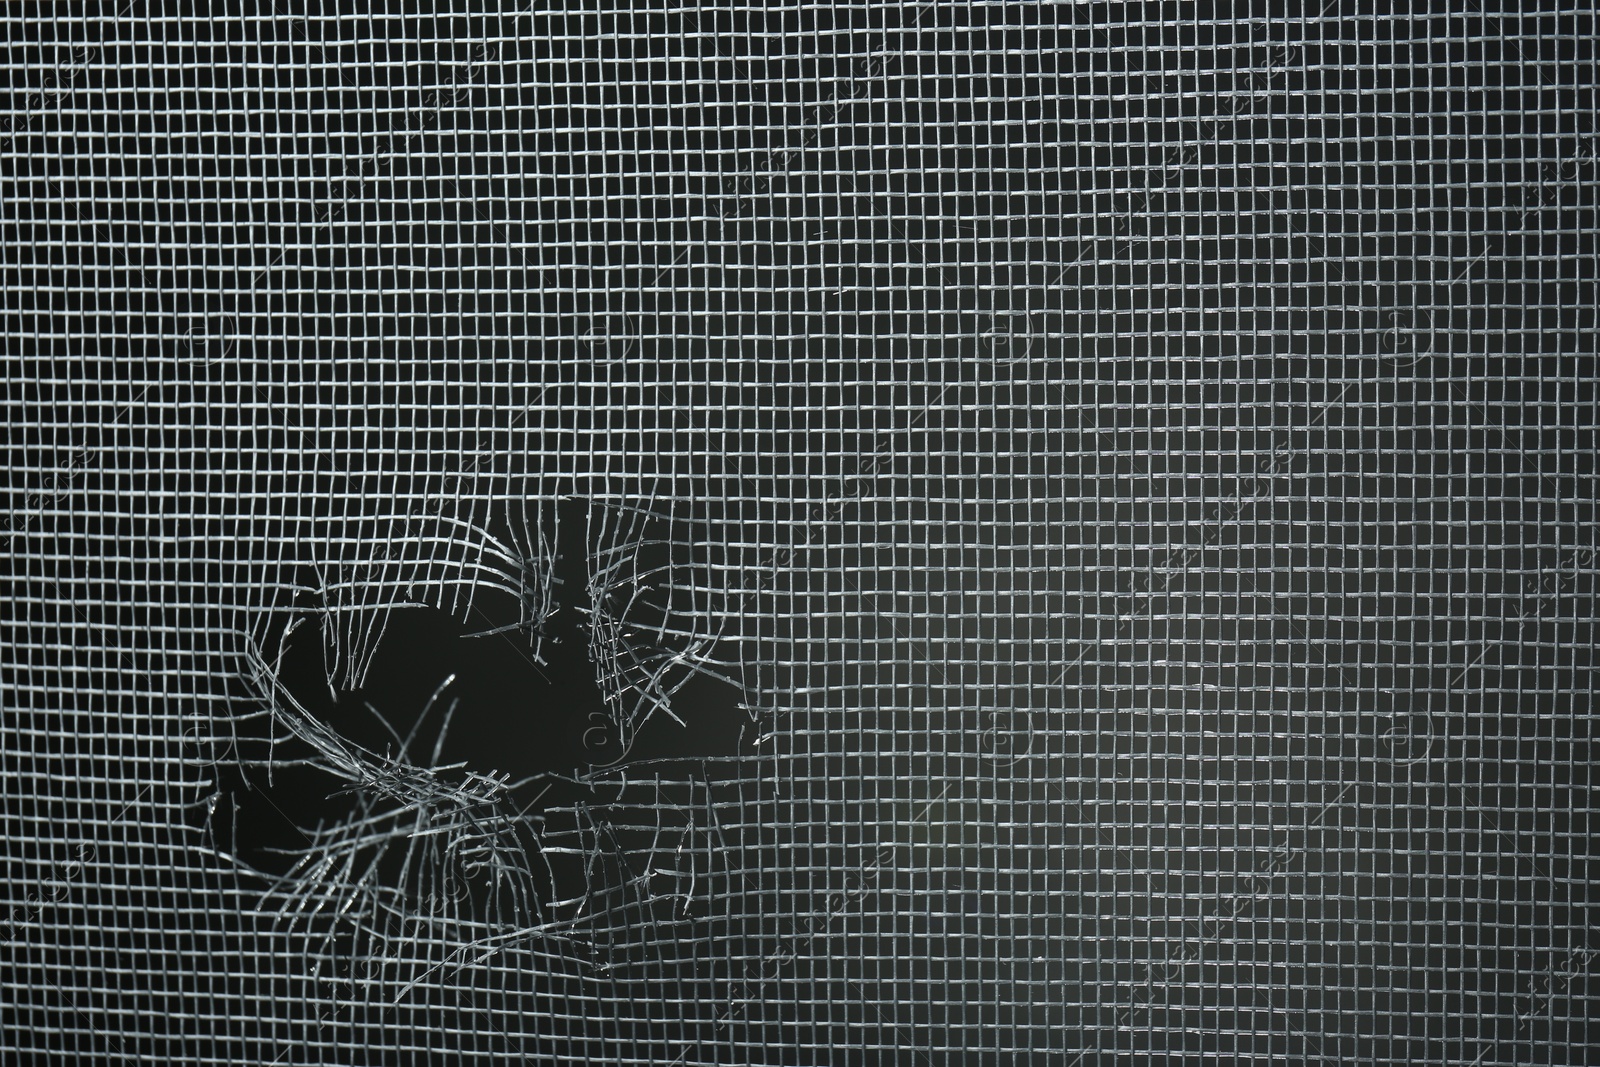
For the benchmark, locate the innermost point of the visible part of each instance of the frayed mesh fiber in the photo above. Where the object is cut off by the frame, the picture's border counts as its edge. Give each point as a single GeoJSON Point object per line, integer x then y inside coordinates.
{"type": "Point", "coordinates": [923, 533]}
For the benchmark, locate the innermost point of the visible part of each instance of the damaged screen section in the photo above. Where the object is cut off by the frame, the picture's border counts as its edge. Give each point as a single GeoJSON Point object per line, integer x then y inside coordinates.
{"type": "Point", "coordinates": [929, 533]}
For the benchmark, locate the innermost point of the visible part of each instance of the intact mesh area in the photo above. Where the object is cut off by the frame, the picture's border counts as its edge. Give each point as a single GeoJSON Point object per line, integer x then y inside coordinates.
{"type": "Point", "coordinates": [942, 533]}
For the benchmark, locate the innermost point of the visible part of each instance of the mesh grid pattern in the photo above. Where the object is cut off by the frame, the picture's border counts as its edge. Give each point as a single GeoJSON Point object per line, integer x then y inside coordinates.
{"type": "Point", "coordinates": [1076, 522]}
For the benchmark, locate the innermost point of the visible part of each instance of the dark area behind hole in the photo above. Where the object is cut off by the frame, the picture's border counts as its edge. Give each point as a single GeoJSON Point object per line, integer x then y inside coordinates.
{"type": "Point", "coordinates": [533, 723]}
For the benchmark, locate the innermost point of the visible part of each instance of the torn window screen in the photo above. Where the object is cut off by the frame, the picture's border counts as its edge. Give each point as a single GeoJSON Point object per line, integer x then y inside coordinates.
{"type": "Point", "coordinates": [942, 533]}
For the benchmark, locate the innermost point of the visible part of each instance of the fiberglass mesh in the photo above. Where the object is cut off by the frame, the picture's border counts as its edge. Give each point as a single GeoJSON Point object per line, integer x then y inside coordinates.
{"type": "Point", "coordinates": [1107, 489]}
